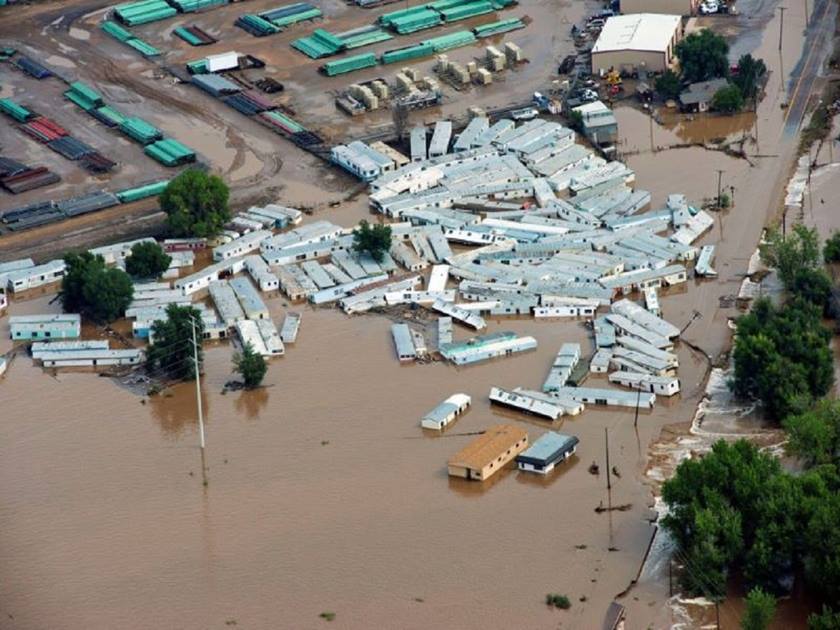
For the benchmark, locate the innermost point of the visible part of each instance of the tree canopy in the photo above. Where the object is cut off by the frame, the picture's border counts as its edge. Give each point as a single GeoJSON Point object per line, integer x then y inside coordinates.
{"type": "Point", "coordinates": [93, 290]}
{"type": "Point", "coordinates": [831, 248]}
{"type": "Point", "coordinates": [814, 435]}
{"type": "Point", "coordinates": [788, 254]}
{"type": "Point", "coordinates": [668, 85]}
{"type": "Point", "coordinates": [196, 204]}
{"type": "Point", "coordinates": [737, 509]}
{"type": "Point", "coordinates": [782, 357]}
{"type": "Point", "coordinates": [750, 73]}
{"type": "Point", "coordinates": [373, 239]}
{"type": "Point", "coordinates": [172, 349]}
{"type": "Point", "coordinates": [147, 260]}
{"type": "Point", "coordinates": [703, 56]}
{"type": "Point", "coordinates": [728, 99]}
{"type": "Point", "coordinates": [759, 612]}
{"type": "Point", "coordinates": [250, 365]}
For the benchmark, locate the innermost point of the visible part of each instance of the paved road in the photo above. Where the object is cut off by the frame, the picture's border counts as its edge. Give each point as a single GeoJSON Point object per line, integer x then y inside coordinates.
{"type": "Point", "coordinates": [817, 41]}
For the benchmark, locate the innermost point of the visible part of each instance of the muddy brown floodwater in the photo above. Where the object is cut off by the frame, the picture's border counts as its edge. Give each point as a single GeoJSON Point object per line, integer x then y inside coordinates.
{"type": "Point", "coordinates": [324, 495]}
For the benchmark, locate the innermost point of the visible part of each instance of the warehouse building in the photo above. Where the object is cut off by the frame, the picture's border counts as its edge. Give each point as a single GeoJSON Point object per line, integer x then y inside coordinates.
{"type": "Point", "coordinates": [665, 7]}
{"type": "Point", "coordinates": [549, 450]}
{"type": "Point", "coordinates": [643, 41]}
{"type": "Point", "coordinates": [488, 453]}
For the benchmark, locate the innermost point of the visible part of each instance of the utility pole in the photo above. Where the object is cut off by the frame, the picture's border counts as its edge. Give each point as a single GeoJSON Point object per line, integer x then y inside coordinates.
{"type": "Point", "coordinates": [781, 25]}
{"type": "Point", "coordinates": [651, 132]}
{"type": "Point", "coordinates": [638, 399]}
{"type": "Point", "coordinates": [720, 175]}
{"type": "Point", "coordinates": [198, 401]}
{"type": "Point", "coordinates": [607, 448]}
{"type": "Point", "coordinates": [717, 612]}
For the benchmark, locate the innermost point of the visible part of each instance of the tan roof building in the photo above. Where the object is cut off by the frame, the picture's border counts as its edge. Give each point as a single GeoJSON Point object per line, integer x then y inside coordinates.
{"type": "Point", "coordinates": [489, 452]}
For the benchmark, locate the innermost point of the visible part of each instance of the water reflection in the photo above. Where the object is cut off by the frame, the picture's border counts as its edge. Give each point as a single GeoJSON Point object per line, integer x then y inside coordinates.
{"type": "Point", "coordinates": [251, 402]}
{"type": "Point", "coordinates": [546, 481]}
{"type": "Point", "coordinates": [703, 128]}
{"type": "Point", "coordinates": [471, 488]}
{"type": "Point", "coordinates": [175, 409]}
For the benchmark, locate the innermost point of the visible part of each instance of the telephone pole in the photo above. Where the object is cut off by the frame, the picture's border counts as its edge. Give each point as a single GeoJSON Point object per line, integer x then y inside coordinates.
{"type": "Point", "coordinates": [720, 175]}
{"type": "Point", "coordinates": [638, 400]}
{"type": "Point", "coordinates": [781, 25]}
{"type": "Point", "coordinates": [198, 401]}
{"type": "Point", "coordinates": [607, 448]}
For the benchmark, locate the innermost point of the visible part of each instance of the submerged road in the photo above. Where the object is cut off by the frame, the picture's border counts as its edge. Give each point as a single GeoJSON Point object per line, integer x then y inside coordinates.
{"type": "Point", "coordinates": [817, 39]}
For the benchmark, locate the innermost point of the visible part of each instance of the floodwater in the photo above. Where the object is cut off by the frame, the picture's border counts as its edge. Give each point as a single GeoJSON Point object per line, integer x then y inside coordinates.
{"type": "Point", "coordinates": [324, 495]}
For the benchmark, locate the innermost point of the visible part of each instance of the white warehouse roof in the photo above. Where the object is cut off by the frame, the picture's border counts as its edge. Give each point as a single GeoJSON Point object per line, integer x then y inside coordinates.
{"type": "Point", "coordinates": [637, 31]}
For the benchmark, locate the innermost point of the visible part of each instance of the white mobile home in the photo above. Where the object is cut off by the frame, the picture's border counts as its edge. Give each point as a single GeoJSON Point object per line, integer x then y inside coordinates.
{"type": "Point", "coordinates": [446, 412]}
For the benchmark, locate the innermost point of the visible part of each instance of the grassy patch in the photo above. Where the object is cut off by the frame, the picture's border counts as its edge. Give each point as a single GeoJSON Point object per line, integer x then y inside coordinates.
{"type": "Point", "coordinates": [558, 601]}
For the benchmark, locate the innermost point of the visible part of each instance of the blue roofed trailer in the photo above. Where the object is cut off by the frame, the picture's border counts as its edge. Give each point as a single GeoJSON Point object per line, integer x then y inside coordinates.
{"type": "Point", "coordinates": [549, 450]}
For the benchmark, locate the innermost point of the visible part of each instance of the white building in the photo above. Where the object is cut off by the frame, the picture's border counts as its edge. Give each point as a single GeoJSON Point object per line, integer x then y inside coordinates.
{"type": "Point", "coordinates": [628, 43]}
{"type": "Point", "coordinates": [446, 412]}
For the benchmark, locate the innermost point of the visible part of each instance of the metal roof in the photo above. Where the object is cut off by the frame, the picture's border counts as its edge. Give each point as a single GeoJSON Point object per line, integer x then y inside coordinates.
{"type": "Point", "coordinates": [549, 447]}
{"type": "Point", "coordinates": [637, 31]}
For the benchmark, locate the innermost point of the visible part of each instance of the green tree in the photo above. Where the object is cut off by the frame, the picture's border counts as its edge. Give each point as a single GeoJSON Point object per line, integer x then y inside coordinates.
{"type": "Point", "coordinates": [147, 260]}
{"type": "Point", "coordinates": [196, 204]}
{"type": "Point", "coordinates": [759, 612]}
{"type": "Point", "coordinates": [576, 121]}
{"type": "Point", "coordinates": [250, 365]}
{"type": "Point", "coordinates": [788, 254]}
{"type": "Point", "coordinates": [172, 349]}
{"type": "Point", "coordinates": [94, 290]}
{"type": "Point", "coordinates": [825, 620]}
{"type": "Point", "coordinates": [831, 249]}
{"type": "Point", "coordinates": [668, 85]}
{"type": "Point", "coordinates": [814, 286]}
{"type": "Point", "coordinates": [814, 435]}
{"type": "Point", "coordinates": [782, 357]}
{"type": "Point", "coordinates": [373, 239]}
{"type": "Point", "coordinates": [751, 71]}
{"type": "Point", "coordinates": [703, 56]}
{"type": "Point", "coordinates": [728, 99]}
{"type": "Point", "coordinates": [822, 548]}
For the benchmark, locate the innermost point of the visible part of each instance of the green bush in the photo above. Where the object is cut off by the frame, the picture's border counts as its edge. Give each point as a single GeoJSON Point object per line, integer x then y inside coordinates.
{"type": "Point", "coordinates": [831, 248]}
{"type": "Point", "coordinates": [375, 240]}
{"type": "Point", "coordinates": [558, 601]}
{"type": "Point", "coordinates": [250, 366]}
{"type": "Point", "coordinates": [728, 100]}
